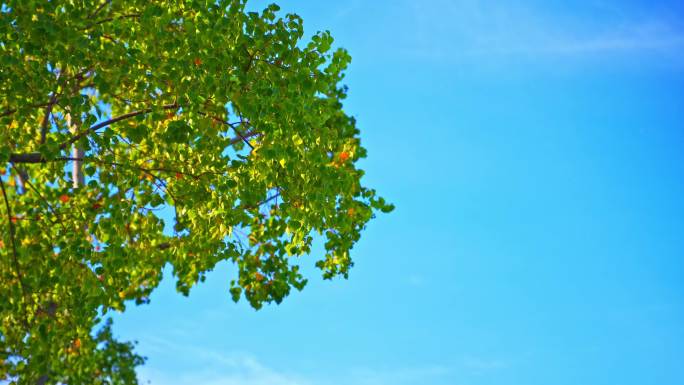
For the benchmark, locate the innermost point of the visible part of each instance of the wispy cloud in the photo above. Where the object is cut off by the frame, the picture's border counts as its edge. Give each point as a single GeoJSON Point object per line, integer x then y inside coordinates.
{"type": "Point", "coordinates": [397, 376]}
{"type": "Point", "coordinates": [217, 368]}
{"type": "Point", "coordinates": [646, 37]}
{"type": "Point", "coordinates": [209, 366]}
{"type": "Point", "coordinates": [239, 371]}
{"type": "Point", "coordinates": [240, 368]}
{"type": "Point", "coordinates": [484, 365]}
{"type": "Point", "coordinates": [416, 280]}
{"type": "Point", "coordinates": [472, 28]}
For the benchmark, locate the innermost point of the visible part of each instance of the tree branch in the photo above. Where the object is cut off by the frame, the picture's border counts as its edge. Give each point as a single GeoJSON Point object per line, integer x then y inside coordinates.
{"type": "Point", "coordinates": [33, 157]}
{"type": "Point", "coordinates": [7, 112]}
{"type": "Point", "coordinates": [46, 118]}
{"type": "Point", "coordinates": [10, 111]}
{"type": "Point", "coordinates": [49, 206]}
{"type": "Point", "coordinates": [11, 229]}
{"type": "Point", "coordinates": [108, 19]}
{"type": "Point", "coordinates": [15, 258]}
{"type": "Point", "coordinates": [36, 157]}
{"type": "Point", "coordinates": [98, 9]}
{"type": "Point", "coordinates": [231, 125]}
{"type": "Point", "coordinates": [112, 121]}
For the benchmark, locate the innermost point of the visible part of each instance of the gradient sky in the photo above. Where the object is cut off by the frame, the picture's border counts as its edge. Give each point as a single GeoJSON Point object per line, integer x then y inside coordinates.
{"type": "Point", "coordinates": [535, 153]}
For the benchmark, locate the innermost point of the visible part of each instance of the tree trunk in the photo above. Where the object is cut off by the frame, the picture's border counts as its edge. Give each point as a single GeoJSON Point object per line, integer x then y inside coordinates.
{"type": "Point", "coordinates": [76, 153]}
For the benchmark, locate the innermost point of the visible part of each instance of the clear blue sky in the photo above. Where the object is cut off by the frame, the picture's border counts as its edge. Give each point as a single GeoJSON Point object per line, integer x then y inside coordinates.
{"type": "Point", "coordinates": [535, 153]}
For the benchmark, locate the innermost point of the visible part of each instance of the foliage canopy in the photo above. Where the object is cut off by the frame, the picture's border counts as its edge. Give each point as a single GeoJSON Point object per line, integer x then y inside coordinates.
{"type": "Point", "coordinates": [114, 112]}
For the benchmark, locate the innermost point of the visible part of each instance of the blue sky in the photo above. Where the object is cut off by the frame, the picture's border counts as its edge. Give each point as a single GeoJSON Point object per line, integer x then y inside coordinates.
{"type": "Point", "coordinates": [534, 151]}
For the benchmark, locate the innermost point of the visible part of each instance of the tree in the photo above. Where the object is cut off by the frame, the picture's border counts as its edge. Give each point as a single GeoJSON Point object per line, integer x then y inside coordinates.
{"type": "Point", "coordinates": [116, 112]}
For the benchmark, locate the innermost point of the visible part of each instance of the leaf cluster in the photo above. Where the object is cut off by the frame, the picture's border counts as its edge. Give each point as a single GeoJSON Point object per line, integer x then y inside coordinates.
{"type": "Point", "coordinates": [138, 134]}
